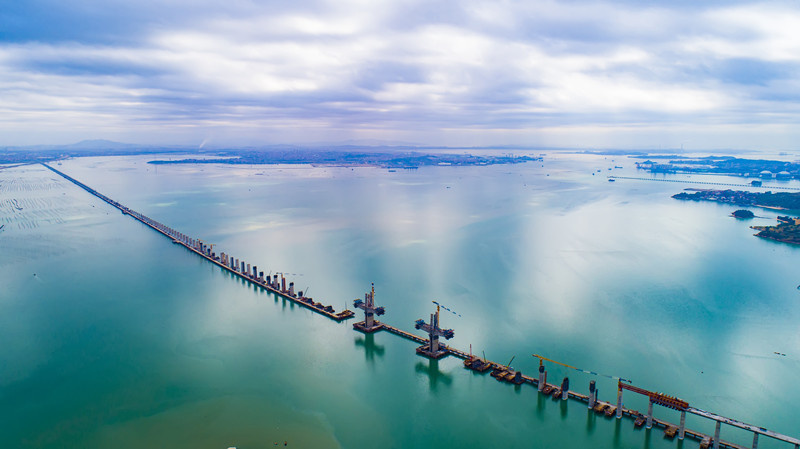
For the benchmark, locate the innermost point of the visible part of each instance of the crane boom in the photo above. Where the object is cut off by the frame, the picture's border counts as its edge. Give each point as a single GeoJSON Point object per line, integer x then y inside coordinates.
{"type": "Point", "coordinates": [541, 358]}
{"type": "Point", "coordinates": [553, 361]}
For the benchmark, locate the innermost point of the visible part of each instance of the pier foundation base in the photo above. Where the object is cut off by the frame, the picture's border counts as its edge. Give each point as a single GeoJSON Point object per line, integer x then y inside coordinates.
{"type": "Point", "coordinates": [426, 351]}
{"type": "Point", "coordinates": [361, 326]}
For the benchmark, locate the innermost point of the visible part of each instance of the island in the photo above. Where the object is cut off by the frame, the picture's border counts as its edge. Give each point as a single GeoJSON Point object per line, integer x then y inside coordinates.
{"type": "Point", "coordinates": [788, 228]}
{"type": "Point", "coordinates": [786, 231]}
{"type": "Point", "coordinates": [768, 200]}
{"type": "Point", "coordinates": [727, 165]}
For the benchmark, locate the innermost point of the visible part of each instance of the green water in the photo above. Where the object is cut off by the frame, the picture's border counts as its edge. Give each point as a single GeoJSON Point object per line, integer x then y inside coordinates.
{"type": "Point", "coordinates": [115, 338]}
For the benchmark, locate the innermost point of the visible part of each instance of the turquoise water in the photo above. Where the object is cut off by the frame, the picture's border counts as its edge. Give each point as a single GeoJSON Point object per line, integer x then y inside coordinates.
{"type": "Point", "coordinates": [114, 337]}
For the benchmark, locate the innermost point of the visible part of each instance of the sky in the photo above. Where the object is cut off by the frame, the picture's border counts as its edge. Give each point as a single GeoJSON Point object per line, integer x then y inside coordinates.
{"type": "Point", "coordinates": [580, 74]}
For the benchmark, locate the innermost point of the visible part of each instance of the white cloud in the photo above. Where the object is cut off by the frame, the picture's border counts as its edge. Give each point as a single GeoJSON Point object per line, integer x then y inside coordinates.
{"type": "Point", "coordinates": [412, 68]}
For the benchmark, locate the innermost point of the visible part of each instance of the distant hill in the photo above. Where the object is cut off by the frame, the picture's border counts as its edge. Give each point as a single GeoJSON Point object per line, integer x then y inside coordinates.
{"type": "Point", "coordinates": [100, 144]}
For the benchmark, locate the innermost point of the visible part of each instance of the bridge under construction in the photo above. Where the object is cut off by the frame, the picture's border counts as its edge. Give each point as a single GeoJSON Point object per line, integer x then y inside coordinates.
{"type": "Point", "coordinates": [433, 348]}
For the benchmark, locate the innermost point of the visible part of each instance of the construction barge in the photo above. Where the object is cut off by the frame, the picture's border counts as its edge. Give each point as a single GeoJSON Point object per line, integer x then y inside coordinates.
{"type": "Point", "coordinates": [433, 349]}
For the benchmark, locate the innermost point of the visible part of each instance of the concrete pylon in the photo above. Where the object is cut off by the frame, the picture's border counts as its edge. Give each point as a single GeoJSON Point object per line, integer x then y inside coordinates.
{"type": "Point", "coordinates": [682, 429]}
{"type": "Point", "coordinates": [541, 377]}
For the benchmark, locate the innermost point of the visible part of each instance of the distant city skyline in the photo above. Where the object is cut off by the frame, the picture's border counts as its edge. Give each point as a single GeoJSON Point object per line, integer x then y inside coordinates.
{"type": "Point", "coordinates": [602, 74]}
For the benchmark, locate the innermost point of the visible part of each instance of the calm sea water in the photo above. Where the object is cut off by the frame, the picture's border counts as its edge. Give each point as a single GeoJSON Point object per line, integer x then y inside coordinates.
{"type": "Point", "coordinates": [115, 338]}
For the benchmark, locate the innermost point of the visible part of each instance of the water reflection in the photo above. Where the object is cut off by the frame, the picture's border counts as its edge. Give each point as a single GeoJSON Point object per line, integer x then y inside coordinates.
{"type": "Point", "coordinates": [591, 421]}
{"type": "Point", "coordinates": [540, 400]}
{"type": "Point", "coordinates": [367, 341]}
{"type": "Point", "coordinates": [434, 375]}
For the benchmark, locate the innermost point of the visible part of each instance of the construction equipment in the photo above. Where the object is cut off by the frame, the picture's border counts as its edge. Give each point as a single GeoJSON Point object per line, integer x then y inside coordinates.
{"type": "Point", "coordinates": [445, 308]}
{"type": "Point", "coordinates": [542, 358]}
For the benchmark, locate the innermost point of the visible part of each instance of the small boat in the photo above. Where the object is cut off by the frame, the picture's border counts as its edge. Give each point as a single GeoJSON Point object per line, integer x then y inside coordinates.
{"type": "Point", "coordinates": [611, 179]}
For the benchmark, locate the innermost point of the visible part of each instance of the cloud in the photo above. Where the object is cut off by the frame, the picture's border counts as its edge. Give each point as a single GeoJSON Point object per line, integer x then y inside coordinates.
{"type": "Point", "coordinates": [442, 72]}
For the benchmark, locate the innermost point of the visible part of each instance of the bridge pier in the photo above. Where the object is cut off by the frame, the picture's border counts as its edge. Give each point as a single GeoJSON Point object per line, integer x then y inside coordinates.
{"type": "Point", "coordinates": [682, 429]}
{"type": "Point", "coordinates": [650, 414]}
{"type": "Point", "coordinates": [432, 350]}
{"type": "Point", "coordinates": [592, 394]}
{"type": "Point", "coordinates": [716, 434]}
{"type": "Point", "coordinates": [755, 440]}
{"type": "Point", "coordinates": [619, 403]}
{"type": "Point", "coordinates": [542, 377]}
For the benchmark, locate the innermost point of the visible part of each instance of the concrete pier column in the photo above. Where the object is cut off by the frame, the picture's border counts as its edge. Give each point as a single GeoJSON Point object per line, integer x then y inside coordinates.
{"type": "Point", "coordinates": [755, 440]}
{"type": "Point", "coordinates": [248, 270]}
{"type": "Point", "coordinates": [619, 403]}
{"type": "Point", "coordinates": [434, 338]}
{"type": "Point", "coordinates": [650, 414]}
{"type": "Point", "coordinates": [592, 394]}
{"type": "Point", "coordinates": [541, 377]}
{"type": "Point", "coordinates": [716, 435]}
{"type": "Point", "coordinates": [565, 389]}
{"type": "Point", "coordinates": [682, 428]}
{"type": "Point", "coordinates": [369, 320]}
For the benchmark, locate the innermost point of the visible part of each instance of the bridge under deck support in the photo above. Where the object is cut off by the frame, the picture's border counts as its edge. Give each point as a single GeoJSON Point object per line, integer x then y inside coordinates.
{"type": "Point", "coordinates": [682, 429]}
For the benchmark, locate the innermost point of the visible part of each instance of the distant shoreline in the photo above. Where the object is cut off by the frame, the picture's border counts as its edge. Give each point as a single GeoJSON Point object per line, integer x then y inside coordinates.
{"type": "Point", "coordinates": [405, 160]}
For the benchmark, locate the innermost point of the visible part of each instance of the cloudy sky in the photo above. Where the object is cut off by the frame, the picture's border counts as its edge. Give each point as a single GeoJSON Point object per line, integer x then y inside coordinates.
{"type": "Point", "coordinates": [593, 74]}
